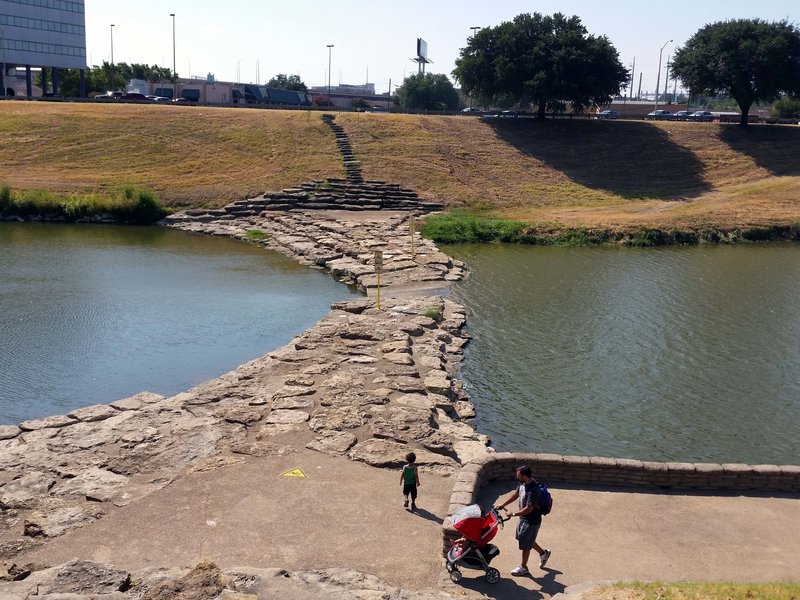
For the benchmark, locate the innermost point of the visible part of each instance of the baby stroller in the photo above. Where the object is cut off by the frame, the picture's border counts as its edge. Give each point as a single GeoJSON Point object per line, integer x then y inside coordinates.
{"type": "Point", "coordinates": [473, 551]}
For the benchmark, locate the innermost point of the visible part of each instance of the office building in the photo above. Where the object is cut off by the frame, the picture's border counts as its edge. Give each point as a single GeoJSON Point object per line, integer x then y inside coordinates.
{"type": "Point", "coordinates": [41, 34]}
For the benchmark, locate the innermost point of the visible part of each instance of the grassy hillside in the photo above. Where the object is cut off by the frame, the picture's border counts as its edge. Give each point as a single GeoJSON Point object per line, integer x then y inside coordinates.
{"type": "Point", "coordinates": [590, 173]}
{"type": "Point", "coordinates": [189, 156]}
{"type": "Point", "coordinates": [553, 174]}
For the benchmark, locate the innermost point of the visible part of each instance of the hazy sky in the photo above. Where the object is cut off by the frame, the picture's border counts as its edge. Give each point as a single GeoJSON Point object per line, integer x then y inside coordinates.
{"type": "Point", "coordinates": [375, 39]}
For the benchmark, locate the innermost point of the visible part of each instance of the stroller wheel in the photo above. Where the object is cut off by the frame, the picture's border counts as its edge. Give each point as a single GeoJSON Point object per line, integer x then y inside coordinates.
{"type": "Point", "coordinates": [449, 567]}
{"type": "Point", "coordinates": [456, 576]}
{"type": "Point", "coordinates": [492, 575]}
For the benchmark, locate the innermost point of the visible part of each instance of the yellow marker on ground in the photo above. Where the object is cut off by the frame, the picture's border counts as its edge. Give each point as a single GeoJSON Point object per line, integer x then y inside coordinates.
{"type": "Point", "coordinates": [295, 473]}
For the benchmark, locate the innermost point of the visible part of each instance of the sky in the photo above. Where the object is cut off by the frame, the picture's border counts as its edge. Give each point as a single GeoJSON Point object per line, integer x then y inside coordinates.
{"type": "Point", "coordinates": [373, 41]}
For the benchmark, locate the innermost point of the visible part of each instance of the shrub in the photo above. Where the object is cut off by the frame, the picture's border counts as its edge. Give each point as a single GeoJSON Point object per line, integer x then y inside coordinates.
{"type": "Point", "coordinates": [5, 198]}
{"type": "Point", "coordinates": [255, 235]}
{"type": "Point", "coordinates": [786, 108]}
{"type": "Point", "coordinates": [434, 313]}
{"type": "Point", "coordinates": [147, 208]}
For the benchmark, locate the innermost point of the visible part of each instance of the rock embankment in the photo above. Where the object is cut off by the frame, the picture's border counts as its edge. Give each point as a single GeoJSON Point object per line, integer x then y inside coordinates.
{"type": "Point", "coordinates": [341, 242]}
{"type": "Point", "coordinates": [79, 580]}
{"type": "Point", "coordinates": [366, 383]}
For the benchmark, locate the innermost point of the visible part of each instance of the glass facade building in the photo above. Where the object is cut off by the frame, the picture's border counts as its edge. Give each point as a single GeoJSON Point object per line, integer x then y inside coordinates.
{"type": "Point", "coordinates": [43, 33]}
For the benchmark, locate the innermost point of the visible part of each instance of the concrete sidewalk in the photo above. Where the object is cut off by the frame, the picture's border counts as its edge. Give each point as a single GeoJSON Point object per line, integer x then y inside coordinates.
{"type": "Point", "coordinates": [350, 515]}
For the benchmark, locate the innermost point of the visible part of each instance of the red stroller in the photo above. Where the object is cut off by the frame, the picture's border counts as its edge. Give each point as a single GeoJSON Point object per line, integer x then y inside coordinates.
{"type": "Point", "coordinates": [473, 551]}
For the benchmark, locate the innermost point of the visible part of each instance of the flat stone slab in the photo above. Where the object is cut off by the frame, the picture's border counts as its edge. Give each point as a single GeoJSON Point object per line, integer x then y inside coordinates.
{"type": "Point", "coordinates": [98, 412]}
{"type": "Point", "coordinates": [47, 423]}
{"type": "Point", "coordinates": [287, 417]}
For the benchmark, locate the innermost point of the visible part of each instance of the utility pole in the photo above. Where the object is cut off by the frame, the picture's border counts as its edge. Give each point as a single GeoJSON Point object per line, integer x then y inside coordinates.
{"type": "Point", "coordinates": [633, 77]}
{"type": "Point", "coordinates": [658, 78]}
{"type": "Point", "coordinates": [329, 46]}
{"type": "Point", "coordinates": [111, 78]}
{"type": "Point", "coordinates": [174, 64]}
{"type": "Point", "coordinates": [666, 82]}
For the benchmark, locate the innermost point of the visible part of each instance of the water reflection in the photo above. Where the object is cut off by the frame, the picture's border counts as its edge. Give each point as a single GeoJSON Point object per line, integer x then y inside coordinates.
{"type": "Point", "coordinates": [89, 314]}
{"type": "Point", "coordinates": [666, 354]}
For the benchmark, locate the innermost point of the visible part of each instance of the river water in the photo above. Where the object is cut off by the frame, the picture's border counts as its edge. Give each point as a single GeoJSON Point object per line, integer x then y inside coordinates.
{"type": "Point", "coordinates": [687, 354]}
{"type": "Point", "coordinates": [91, 314]}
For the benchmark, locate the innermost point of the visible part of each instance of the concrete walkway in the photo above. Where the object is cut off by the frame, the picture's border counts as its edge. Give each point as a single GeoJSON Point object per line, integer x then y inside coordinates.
{"type": "Point", "coordinates": [350, 515]}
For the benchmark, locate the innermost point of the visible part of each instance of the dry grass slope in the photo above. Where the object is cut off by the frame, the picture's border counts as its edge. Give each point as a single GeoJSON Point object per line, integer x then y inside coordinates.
{"type": "Point", "coordinates": [190, 156]}
{"type": "Point", "coordinates": [590, 173]}
{"type": "Point", "coordinates": [555, 174]}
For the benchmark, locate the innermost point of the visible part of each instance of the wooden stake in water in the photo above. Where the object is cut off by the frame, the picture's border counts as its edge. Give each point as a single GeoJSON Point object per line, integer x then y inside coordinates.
{"type": "Point", "coordinates": [411, 224]}
{"type": "Point", "coordinates": [378, 269]}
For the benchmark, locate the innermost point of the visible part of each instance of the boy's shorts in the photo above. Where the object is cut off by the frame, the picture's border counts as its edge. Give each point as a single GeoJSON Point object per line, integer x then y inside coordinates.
{"type": "Point", "coordinates": [526, 534]}
{"type": "Point", "coordinates": [410, 488]}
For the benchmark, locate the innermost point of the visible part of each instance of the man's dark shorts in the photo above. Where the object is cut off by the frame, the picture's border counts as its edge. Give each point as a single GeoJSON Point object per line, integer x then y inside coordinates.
{"type": "Point", "coordinates": [526, 533]}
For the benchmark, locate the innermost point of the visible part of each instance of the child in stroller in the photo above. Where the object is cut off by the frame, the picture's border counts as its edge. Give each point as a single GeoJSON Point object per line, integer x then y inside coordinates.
{"type": "Point", "coordinates": [473, 550]}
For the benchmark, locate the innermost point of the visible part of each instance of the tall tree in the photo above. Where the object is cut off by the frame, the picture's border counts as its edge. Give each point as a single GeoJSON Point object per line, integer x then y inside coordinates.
{"type": "Point", "coordinates": [426, 91]}
{"type": "Point", "coordinates": [284, 82]}
{"type": "Point", "coordinates": [550, 61]}
{"type": "Point", "coordinates": [749, 59]}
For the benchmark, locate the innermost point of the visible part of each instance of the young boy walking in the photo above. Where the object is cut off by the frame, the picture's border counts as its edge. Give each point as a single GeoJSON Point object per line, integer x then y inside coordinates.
{"type": "Point", "coordinates": [409, 479]}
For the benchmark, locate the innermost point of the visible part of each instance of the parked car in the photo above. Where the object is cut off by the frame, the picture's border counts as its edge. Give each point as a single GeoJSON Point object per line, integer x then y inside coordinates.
{"type": "Point", "coordinates": [108, 97]}
{"type": "Point", "coordinates": [607, 114]}
{"type": "Point", "coordinates": [684, 115]}
{"type": "Point", "coordinates": [508, 114]}
{"type": "Point", "coordinates": [702, 115]}
{"type": "Point", "coordinates": [471, 109]}
{"type": "Point", "coordinates": [132, 97]}
{"type": "Point", "coordinates": [158, 99]}
{"type": "Point", "coordinates": [658, 115]}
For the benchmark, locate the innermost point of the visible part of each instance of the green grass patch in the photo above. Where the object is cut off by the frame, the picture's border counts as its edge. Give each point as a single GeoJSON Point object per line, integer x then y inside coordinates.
{"type": "Point", "coordinates": [433, 313]}
{"type": "Point", "coordinates": [462, 227]}
{"type": "Point", "coordinates": [131, 205]}
{"type": "Point", "coordinates": [255, 235]}
{"type": "Point", "coordinates": [703, 591]}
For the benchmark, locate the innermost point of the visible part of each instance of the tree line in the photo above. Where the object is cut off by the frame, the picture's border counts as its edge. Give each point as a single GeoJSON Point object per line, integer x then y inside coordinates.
{"type": "Point", "coordinates": [550, 63]}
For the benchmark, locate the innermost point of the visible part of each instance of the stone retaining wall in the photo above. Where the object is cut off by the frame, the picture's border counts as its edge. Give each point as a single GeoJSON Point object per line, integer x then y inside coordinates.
{"type": "Point", "coordinates": [617, 472]}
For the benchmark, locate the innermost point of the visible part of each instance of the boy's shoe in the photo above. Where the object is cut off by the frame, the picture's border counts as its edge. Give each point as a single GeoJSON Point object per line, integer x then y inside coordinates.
{"type": "Point", "coordinates": [413, 506]}
{"type": "Point", "coordinates": [520, 570]}
{"type": "Point", "coordinates": [544, 558]}
{"type": "Point", "coordinates": [405, 504]}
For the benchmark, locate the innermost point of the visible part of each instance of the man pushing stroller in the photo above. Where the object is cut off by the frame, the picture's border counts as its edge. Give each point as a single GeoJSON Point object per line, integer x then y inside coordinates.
{"type": "Point", "coordinates": [531, 507]}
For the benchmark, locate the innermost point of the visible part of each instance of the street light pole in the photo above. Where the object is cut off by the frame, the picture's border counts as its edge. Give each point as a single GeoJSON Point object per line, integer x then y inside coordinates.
{"type": "Point", "coordinates": [658, 79]}
{"type": "Point", "coordinates": [329, 46]}
{"type": "Point", "coordinates": [174, 63]}
{"type": "Point", "coordinates": [111, 82]}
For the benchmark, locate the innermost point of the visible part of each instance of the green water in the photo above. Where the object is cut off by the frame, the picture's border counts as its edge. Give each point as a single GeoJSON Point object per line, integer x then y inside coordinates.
{"type": "Point", "coordinates": [90, 314]}
{"type": "Point", "coordinates": [689, 354]}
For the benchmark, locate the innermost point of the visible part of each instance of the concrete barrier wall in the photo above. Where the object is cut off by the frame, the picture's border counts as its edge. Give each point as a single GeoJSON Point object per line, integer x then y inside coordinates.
{"type": "Point", "coordinates": [616, 472]}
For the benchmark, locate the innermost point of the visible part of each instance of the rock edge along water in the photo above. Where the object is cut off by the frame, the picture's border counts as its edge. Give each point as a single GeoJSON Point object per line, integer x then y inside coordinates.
{"type": "Point", "coordinates": [365, 383]}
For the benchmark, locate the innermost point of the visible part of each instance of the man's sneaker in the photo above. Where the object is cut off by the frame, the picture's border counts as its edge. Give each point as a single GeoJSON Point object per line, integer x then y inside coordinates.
{"type": "Point", "coordinates": [520, 570]}
{"type": "Point", "coordinates": [544, 558]}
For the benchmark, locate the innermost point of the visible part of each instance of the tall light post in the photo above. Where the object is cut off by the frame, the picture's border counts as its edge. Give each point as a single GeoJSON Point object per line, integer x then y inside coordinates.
{"type": "Point", "coordinates": [474, 31]}
{"type": "Point", "coordinates": [174, 63]}
{"type": "Point", "coordinates": [111, 82]}
{"type": "Point", "coordinates": [329, 46]}
{"type": "Point", "coordinates": [658, 79]}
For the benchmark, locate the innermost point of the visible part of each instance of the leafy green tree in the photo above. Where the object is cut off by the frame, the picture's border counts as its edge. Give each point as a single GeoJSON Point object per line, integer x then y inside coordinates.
{"type": "Point", "coordinates": [786, 108]}
{"type": "Point", "coordinates": [426, 91]}
{"type": "Point", "coordinates": [550, 61]}
{"type": "Point", "coordinates": [749, 59]}
{"type": "Point", "coordinates": [284, 82]}
{"type": "Point", "coordinates": [99, 78]}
